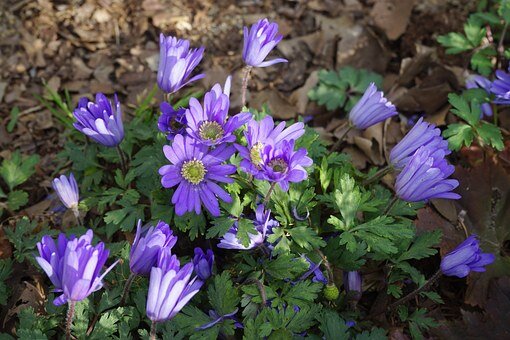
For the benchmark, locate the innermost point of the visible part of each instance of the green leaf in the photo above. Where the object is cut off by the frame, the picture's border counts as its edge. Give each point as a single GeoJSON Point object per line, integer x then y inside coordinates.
{"type": "Point", "coordinates": [220, 227]}
{"type": "Point", "coordinates": [17, 170]}
{"type": "Point", "coordinates": [458, 135]}
{"type": "Point", "coordinates": [192, 223]}
{"type": "Point", "coordinates": [302, 293]}
{"type": "Point", "coordinates": [490, 134]}
{"type": "Point", "coordinates": [482, 60]}
{"type": "Point", "coordinates": [454, 42]}
{"type": "Point", "coordinates": [13, 119]}
{"type": "Point", "coordinates": [16, 199]}
{"type": "Point", "coordinates": [285, 266]}
{"type": "Point", "coordinates": [422, 246]}
{"type": "Point", "coordinates": [306, 238]}
{"type": "Point", "coordinates": [470, 112]}
{"type": "Point", "coordinates": [5, 272]}
{"type": "Point", "coordinates": [223, 297]}
{"type": "Point", "coordinates": [332, 325]}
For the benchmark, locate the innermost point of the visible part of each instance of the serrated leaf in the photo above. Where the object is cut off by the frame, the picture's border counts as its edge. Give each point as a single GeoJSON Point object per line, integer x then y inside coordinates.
{"type": "Point", "coordinates": [491, 134]}
{"type": "Point", "coordinates": [469, 111]}
{"type": "Point", "coordinates": [16, 199]}
{"type": "Point", "coordinates": [306, 238]}
{"type": "Point", "coordinates": [458, 135]}
{"type": "Point", "coordinates": [422, 246]}
{"type": "Point", "coordinates": [223, 297]}
{"type": "Point", "coordinates": [17, 169]}
{"type": "Point", "coordinates": [286, 266]}
{"type": "Point", "coordinates": [332, 325]}
{"type": "Point", "coordinates": [220, 226]}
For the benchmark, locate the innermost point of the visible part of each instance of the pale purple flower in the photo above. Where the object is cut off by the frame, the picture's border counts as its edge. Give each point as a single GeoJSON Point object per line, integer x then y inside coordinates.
{"type": "Point", "coordinates": [282, 165]}
{"type": "Point", "coordinates": [465, 258]}
{"type": "Point", "coordinates": [216, 318]}
{"type": "Point", "coordinates": [261, 223]}
{"type": "Point", "coordinates": [259, 41]}
{"type": "Point", "coordinates": [422, 134]}
{"type": "Point", "coordinates": [353, 284]}
{"type": "Point", "coordinates": [176, 62]}
{"type": "Point", "coordinates": [203, 263]}
{"type": "Point", "coordinates": [75, 268]}
{"type": "Point", "coordinates": [100, 121]}
{"type": "Point", "coordinates": [172, 122]}
{"type": "Point", "coordinates": [475, 81]}
{"type": "Point", "coordinates": [196, 170]}
{"type": "Point", "coordinates": [425, 177]}
{"type": "Point", "coordinates": [371, 109]}
{"type": "Point", "coordinates": [210, 124]}
{"type": "Point", "coordinates": [315, 269]}
{"type": "Point", "coordinates": [500, 87]}
{"type": "Point", "coordinates": [259, 134]}
{"type": "Point", "coordinates": [145, 249]}
{"type": "Point", "coordinates": [170, 287]}
{"type": "Point", "coordinates": [67, 190]}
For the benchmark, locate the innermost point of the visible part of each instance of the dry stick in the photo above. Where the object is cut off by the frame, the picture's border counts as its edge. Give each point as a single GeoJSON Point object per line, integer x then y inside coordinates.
{"type": "Point", "coordinates": [425, 287]}
{"type": "Point", "coordinates": [261, 289]}
{"type": "Point", "coordinates": [246, 77]}
{"type": "Point", "coordinates": [153, 330]}
{"type": "Point", "coordinates": [127, 287]}
{"type": "Point", "coordinates": [70, 315]}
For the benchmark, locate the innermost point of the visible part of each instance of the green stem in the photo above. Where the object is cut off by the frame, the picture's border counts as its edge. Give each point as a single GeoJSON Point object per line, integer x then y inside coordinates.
{"type": "Point", "coordinates": [76, 213]}
{"type": "Point", "coordinates": [378, 175]}
{"type": "Point", "coordinates": [495, 114]}
{"type": "Point", "coordinates": [122, 160]}
{"type": "Point", "coordinates": [340, 140]}
{"type": "Point", "coordinates": [269, 192]}
{"type": "Point", "coordinates": [390, 205]}
{"type": "Point", "coordinates": [127, 287]}
{"type": "Point", "coordinates": [69, 322]}
{"type": "Point", "coordinates": [246, 77]}
{"type": "Point", "coordinates": [331, 278]}
{"type": "Point", "coordinates": [417, 291]}
{"type": "Point", "coordinates": [153, 330]}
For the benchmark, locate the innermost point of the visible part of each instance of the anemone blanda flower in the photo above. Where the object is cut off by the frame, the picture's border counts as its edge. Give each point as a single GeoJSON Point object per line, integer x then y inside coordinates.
{"type": "Point", "coordinates": [262, 224]}
{"type": "Point", "coordinates": [203, 263]}
{"type": "Point", "coordinates": [475, 81]}
{"type": "Point", "coordinates": [196, 170]}
{"type": "Point", "coordinates": [73, 265]}
{"type": "Point", "coordinates": [172, 122]}
{"type": "Point", "coordinates": [282, 165]}
{"type": "Point", "coordinates": [422, 134]}
{"type": "Point", "coordinates": [500, 87]}
{"type": "Point", "coordinates": [210, 124]}
{"type": "Point", "coordinates": [425, 176]}
{"type": "Point", "coordinates": [259, 134]}
{"type": "Point", "coordinates": [170, 287]}
{"type": "Point", "coordinates": [315, 269]}
{"type": "Point", "coordinates": [371, 109]}
{"type": "Point", "coordinates": [99, 120]}
{"type": "Point", "coordinates": [176, 62]}
{"type": "Point", "coordinates": [145, 249]}
{"type": "Point", "coordinates": [67, 190]}
{"type": "Point", "coordinates": [466, 257]}
{"type": "Point", "coordinates": [259, 40]}
{"type": "Point", "coordinates": [353, 284]}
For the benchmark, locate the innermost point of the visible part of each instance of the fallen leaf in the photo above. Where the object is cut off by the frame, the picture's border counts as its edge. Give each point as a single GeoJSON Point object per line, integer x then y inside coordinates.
{"type": "Point", "coordinates": [392, 16]}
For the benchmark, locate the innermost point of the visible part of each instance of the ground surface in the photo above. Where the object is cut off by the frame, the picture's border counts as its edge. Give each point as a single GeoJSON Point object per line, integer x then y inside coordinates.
{"type": "Point", "coordinates": [111, 46]}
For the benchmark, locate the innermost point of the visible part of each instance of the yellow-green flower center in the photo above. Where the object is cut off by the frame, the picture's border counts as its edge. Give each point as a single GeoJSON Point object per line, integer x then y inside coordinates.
{"type": "Point", "coordinates": [211, 131]}
{"type": "Point", "coordinates": [255, 157]}
{"type": "Point", "coordinates": [278, 165]}
{"type": "Point", "coordinates": [193, 171]}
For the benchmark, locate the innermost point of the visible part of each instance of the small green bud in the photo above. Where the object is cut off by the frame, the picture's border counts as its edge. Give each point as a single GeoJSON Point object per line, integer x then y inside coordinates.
{"type": "Point", "coordinates": [331, 292]}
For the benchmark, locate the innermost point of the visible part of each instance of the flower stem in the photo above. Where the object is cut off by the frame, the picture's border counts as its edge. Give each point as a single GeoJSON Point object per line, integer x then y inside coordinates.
{"type": "Point", "coordinates": [153, 330]}
{"type": "Point", "coordinates": [425, 287]}
{"type": "Point", "coordinates": [331, 278]}
{"type": "Point", "coordinates": [127, 287]}
{"type": "Point", "coordinates": [269, 192]}
{"type": "Point", "coordinates": [69, 322]}
{"type": "Point", "coordinates": [378, 175]}
{"type": "Point", "coordinates": [122, 158]}
{"type": "Point", "coordinates": [246, 77]}
{"type": "Point", "coordinates": [390, 205]}
{"type": "Point", "coordinates": [76, 213]}
{"type": "Point", "coordinates": [337, 144]}
{"type": "Point", "coordinates": [495, 114]}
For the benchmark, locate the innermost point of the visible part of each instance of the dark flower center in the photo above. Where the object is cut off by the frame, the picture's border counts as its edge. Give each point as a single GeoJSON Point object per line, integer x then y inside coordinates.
{"type": "Point", "coordinates": [211, 131]}
{"type": "Point", "coordinates": [174, 124]}
{"type": "Point", "coordinates": [193, 171]}
{"type": "Point", "coordinates": [278, 165]}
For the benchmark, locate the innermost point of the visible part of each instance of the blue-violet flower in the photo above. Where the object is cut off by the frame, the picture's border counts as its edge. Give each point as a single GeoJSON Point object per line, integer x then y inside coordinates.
{"type": "Point", "coordinates": [67, 190]}
{"type": "Point", "coordinates": [501, 87]}
{"type": "Point", "coordinates": [465, 258]}
{"type": "Point", "coordinates": [259, 40]}
{"type": "Point", "coordinates": [172, 122]}
{"type": "Point", "coordinates": [475, 81]}
{"type": "Point", "coordinates": [203, 263]}
{"type": "Point", "coordinates": [371, 109]}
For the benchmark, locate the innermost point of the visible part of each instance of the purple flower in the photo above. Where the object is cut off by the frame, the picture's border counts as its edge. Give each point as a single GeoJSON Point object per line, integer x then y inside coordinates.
{"type": "Point", "coordinates": [170, 287]}
{"type": "Point", "coordinates": [475, 81]}
{"type": "Point", "coordinates": [353, 284]}
{"type": "Point", "coordinates": [260, 134]}
{"type": "Point", "coordinates": [203, 263]}
{"type": "Point", "coordinates": [501, 87]}
{"type": "Point", "coordinates": [171, 122]}
{"type": "Point", "coordinates": [210, 125]}
{"type": "Point", "coordinates": [99, 121]}
{"type": "Point", "coordinates": [261, 223]}
{"type": "Point", "coordinates": [176, 62]}
{"type": "Point", "coordinates": [196, 169]}
{"type": "Point", "coordinates": [73, 265]}
{"type": "Point", "coordinates": [216, 318]}
{"type": "Point", "coordinates": [315, 269]}
{"type": "Point", "coordinates": [371, 109]}
{"type": "Point", "coordinates": [67, 190]}
{"type": "Point", "coordinates": [281, 164]}
{"type": "Point", "coordinates": [465, 258]}
{"type": "Point", "coordinates": [259, 41]}
{"type": "Point", "coordinates": [425, 177]}
{"type": "Point", "coordinates": [422, 134]}
{"type": "Point", "coordinates": [145, 249]}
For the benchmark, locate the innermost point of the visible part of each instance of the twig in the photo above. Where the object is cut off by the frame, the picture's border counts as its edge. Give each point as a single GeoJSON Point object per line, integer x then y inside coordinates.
{"type": "Point", "coordinates": [340, 140]}
{"type": "Point", "coordinates": [417, 291]}
{"type": "Point", "coordinates": [246, 77]}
